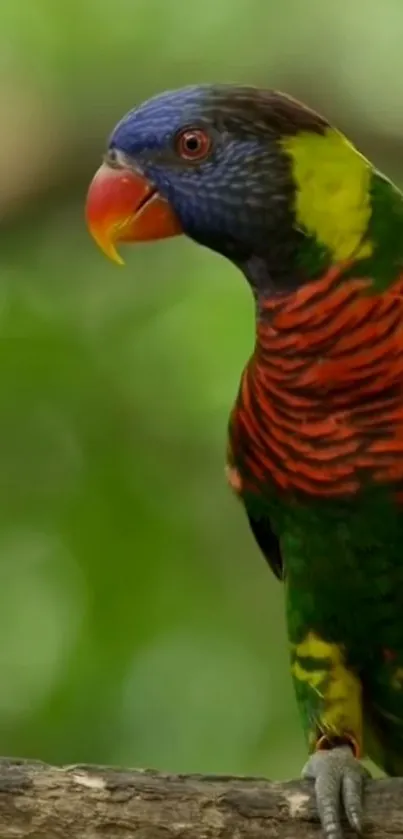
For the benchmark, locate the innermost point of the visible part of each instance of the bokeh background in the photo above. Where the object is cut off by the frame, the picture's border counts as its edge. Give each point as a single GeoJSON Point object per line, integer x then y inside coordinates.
{"type": "Point", "coordinates": [138, 622]}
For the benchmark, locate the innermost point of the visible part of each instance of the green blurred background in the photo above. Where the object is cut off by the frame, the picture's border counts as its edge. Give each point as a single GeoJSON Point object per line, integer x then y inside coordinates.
{"type": "Point", "coordinates": [139, 624]}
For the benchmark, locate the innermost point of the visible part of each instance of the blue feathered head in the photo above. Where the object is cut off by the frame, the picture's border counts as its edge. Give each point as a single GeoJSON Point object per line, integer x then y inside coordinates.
{"type": "Point", "coordinates": [206, 161]}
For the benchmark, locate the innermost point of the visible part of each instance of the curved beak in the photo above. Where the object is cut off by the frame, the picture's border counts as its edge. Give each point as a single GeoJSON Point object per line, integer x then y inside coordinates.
{"type": "Point", "coordinates": [123, 206]}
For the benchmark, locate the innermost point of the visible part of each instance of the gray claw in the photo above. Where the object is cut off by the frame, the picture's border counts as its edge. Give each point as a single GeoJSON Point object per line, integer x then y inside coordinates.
{"type": "Point", "coordinates": [339, 777]}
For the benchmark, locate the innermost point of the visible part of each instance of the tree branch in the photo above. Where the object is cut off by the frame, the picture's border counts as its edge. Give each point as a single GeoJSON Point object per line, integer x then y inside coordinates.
{"type": "Point", "coordinates": [89, 802]}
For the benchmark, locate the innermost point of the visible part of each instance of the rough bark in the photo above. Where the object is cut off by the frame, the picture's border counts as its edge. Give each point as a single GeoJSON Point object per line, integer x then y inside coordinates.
{"type": "Point", "coordinates": [90, 802]}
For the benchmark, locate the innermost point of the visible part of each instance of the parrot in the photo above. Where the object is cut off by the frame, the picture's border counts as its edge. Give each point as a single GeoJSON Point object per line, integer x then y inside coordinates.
{"type": "Point", "coordinates": [315, 435]}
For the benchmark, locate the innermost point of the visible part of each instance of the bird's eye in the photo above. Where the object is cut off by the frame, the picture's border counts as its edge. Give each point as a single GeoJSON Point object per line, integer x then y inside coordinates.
{"type": "Point", "coordinates": [193, 144]}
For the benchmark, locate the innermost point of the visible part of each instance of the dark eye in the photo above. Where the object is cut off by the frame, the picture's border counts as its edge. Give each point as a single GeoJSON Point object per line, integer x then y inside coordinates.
{"type": "Point", "coordinates": [193, 144]}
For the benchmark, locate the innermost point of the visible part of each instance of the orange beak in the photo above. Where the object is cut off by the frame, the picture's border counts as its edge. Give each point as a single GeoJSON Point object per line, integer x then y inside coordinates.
{"type": "Point", "coordinates": [123, 206]}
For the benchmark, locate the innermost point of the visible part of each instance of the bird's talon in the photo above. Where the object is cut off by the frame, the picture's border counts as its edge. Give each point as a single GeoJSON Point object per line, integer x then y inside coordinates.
{"type": "Point", "coordinates": [339, 780]}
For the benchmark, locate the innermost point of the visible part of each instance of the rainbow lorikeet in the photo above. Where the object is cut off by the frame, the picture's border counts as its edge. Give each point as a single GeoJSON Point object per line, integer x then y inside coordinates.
{"type": "Point", "coordinates": [315, 448]}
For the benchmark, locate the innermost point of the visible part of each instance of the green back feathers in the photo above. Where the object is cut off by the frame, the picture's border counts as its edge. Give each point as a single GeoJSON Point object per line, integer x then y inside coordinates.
{"type": "Point", "coordinates": [347, 209]}
{"type": "Point", "coordinates": [386, 231]}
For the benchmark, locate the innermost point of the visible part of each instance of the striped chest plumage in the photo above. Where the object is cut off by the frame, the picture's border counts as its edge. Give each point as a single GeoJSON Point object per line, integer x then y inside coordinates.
{"type": "Point", "coordinates": [320, 407]}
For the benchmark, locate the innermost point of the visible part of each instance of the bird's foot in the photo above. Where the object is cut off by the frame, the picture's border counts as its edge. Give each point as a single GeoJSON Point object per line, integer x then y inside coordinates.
{"type": "Point", "coordinates": [339, 780]}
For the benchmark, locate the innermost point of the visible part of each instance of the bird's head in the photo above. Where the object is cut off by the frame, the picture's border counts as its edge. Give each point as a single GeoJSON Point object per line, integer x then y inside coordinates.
{"type": "Point", "coordinates": [219, 163]}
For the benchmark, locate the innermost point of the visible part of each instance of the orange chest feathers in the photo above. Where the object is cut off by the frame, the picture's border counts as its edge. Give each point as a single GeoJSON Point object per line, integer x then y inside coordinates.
{"type": "Point", "coordinates": [320, 404]}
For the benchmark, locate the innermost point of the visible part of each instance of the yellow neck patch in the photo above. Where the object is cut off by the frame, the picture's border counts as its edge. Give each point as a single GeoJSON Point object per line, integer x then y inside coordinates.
{"type": "Point", "coordinates": [333, 200]}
